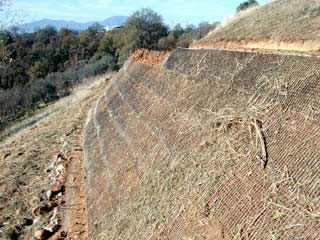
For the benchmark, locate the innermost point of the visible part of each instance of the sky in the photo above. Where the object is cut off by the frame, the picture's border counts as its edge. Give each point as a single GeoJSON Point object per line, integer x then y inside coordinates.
{"type": "Point", "coordinates": [172, 11]}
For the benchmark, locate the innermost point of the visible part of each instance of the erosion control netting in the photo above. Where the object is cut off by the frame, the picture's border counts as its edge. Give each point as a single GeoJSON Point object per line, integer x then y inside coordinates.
{"type": "Point", "coordinates": [215, 145]}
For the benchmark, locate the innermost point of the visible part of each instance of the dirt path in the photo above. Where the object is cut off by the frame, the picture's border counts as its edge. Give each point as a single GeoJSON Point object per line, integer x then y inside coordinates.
{"type": "Point", "coordinates": [41, 172]}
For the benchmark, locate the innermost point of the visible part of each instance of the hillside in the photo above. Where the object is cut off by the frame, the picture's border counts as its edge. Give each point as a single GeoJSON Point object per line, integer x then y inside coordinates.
{"type": "Point", "coordinates": [40, 163]}
{"type": "Point", "coordinates": [279, 25]}
{"type": "Point", "coordinates": [209, 144]}
{"type": "Point", "coordinates": [58, 24]}
{"type": "Point", "coordinates": [215, 142]}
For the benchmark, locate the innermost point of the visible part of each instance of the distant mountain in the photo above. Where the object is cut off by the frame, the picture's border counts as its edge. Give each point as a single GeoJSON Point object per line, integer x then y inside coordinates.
{"type": "Point", "coordinates": [58, 24]}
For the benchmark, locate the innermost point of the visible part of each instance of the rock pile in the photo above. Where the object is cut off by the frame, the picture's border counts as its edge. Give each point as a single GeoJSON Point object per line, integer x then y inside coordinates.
{"type": "Point", "coordinates": [53, 197]}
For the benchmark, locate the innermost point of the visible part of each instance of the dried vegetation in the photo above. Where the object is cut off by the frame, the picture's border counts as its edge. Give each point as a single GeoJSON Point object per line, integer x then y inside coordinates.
{"type": "Point", "coordinates": [173, 196]}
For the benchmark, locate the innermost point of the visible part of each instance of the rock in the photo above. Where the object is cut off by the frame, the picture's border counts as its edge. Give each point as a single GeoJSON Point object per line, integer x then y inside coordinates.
{"type": "Point", "coordinates": [42, 234]}
{"type": "Point", "coordinates": [3, 156]}
{"type": "Point", "coordinates": [13, 233]}
{"type": "Point", "coordinates": [49, 194]}
{"type": "Point", "coordinates": [56, 190]}
{"type": "Point", "coordinates": [45, 208]}
{"type": "Point", "coordinates": [36, 220]}
{"type": "Point", "coordinates": [38, 234]}
{"type": "Point", "coordinates": [24, 222]}
{"type": "Point", "coordinates": [53, 227]}
{"type": "Point", "coordinates": [52, 205]}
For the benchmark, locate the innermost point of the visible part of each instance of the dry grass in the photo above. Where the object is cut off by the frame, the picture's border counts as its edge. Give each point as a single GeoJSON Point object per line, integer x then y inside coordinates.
{"type": "Point", "coordinates": [236, 17]}
{"type": "Point", "coordinates": [180, 182]}
{"type": "Point", "coordinates": [279, 20]}
{"type": "Point", "coordinates": [27, 153]}
{"type": "Point", "coordinates": [179, 191]}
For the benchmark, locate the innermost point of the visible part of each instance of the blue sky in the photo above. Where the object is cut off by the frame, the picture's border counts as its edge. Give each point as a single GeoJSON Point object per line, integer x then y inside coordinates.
{"type": "Point", "coordinates": [172, 11]}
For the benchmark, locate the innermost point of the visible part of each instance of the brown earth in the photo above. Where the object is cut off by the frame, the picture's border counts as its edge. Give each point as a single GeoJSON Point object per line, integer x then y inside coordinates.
{"type": "Point", "coordinates": [310, 47]}
{"type": "Point", "coordinates": [150, 57]}
{"type": "Point", "coordinates": [29, 156]}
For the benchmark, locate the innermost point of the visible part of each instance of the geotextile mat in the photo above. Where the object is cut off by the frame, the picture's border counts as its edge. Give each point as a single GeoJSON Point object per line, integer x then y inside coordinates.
{"type": "Point", "coordinates": [214, 145]}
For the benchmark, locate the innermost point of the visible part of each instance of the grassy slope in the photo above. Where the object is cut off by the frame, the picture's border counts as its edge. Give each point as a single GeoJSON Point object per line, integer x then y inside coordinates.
{"type": "Point", "coordinates": [280, 20]}
{"type": "Point", "coordinates": [26, 155]}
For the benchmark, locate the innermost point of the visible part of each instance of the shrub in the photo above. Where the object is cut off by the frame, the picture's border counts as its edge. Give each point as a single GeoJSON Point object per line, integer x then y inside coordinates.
{"type": "Point", "coordinates": [185, 40]}
{"type": "Point", "coordinates": [38, 70]}
{"type": "Point", "coordinates": [10, 102]}
{"type": "Point", "coordinates": [247, 4]}
{"type": "Point", "coordinates": [106, 63]}
{"type": "Point", "coordinates": [167, 43]}
{"type": "Point", "coordinates": [39, 91]}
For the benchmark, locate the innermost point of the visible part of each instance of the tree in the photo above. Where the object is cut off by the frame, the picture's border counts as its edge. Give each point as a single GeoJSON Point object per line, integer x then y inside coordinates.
{"type": "Point", "coordinates": [149, 27]}
{"type": "Point", "coordinates": [38, 70]}
{"type": "Point", "coordinates": [90, 40]}
{"type": "Point", "coordinates": [189, 28]}
{"type": "Point", "coordinates": [177, 31]}
{"type": "Point", "coordinates": [5, 19]}
{"type": "Point", "coordinates": [247, 4]}
{"type": "Point", "coordinates": [107, 45]}
{"type": "Point", "coordinates": [44, 35]}
{"type": "Point", "coordinates": [167, 43]}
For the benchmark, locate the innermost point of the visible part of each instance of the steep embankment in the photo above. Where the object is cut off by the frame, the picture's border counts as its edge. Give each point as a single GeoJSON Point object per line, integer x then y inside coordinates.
{"type": "Point", "coordinates": [280, 25]}
{"type": "Point", "coordinates": [211, 145]}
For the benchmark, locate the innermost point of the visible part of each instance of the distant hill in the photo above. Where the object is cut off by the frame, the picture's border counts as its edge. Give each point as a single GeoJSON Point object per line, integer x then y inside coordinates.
{"type": "Point", "coordinates": [108, 23]}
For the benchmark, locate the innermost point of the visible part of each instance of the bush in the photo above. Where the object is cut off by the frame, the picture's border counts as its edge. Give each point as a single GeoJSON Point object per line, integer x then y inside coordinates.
{"type": "Point", "coordinates": [10, 102]}
{"type": "Point", "coordinates": [247, 4]}
{"type": "Point", "coordinates": [38, 70]}
{"type": "Point", "coordinates": [185, 40]}
{"type": "Point", "coordinates": [106, 63]}
{"type": "Point", "coordinates": [38, 91]}
{"type": "Point", "coordinates": [167, 43]}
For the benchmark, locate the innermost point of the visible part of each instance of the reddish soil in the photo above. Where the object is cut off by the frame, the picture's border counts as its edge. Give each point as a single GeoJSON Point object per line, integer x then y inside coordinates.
{"type": "Point", "coordinates": [76, 219]}
{"type": "Point", "coordinates": [149, 57]}
{"type": "Point", "coordinates": [262, 45]}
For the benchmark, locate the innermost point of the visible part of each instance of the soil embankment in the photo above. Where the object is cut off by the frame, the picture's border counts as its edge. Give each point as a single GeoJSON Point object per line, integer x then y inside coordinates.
{"type": "Point", "coordinates": [310, 47]}
{"type": "Point", "coordinates": [212, 144]}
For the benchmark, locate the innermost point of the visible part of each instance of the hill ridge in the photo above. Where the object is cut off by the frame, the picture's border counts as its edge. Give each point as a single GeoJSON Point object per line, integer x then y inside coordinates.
{"type": "Point", "coordinates": [279, 25]}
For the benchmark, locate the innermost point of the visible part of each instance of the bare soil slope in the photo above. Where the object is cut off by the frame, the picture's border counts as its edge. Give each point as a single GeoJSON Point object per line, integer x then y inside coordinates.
{"type": "Point", "coordinates": [279, 25]}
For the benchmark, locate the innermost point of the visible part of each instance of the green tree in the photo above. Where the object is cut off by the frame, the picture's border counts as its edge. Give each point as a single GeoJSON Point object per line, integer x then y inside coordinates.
{"type": "Point", "coordinates": [90, 40]}
{"type": "Point", "coordinates": [189, 28]}
{"type": "Point", "coordinates": [5, 38]}
{"type": "Point", "coordinates": [5, 19]}
{"type": "Point", "coordinates": [107, 45]}
{"type": "Point", "coordinates": [38, 70]}
{"type": "Point", "coordinates": [247, 4]}
{"type": "Point", "coordinates": [149, 28]}
{"type": "Point", "coordinates": [44, 35]}
{"type": "Point", "coordinates": [177, 31]}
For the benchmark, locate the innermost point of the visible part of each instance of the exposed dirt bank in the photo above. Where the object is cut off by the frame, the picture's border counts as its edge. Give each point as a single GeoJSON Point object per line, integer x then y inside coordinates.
{"type": "Point", "coordinates": [307, 46]}
{"type": "Point", "coordinates": [149, 57]}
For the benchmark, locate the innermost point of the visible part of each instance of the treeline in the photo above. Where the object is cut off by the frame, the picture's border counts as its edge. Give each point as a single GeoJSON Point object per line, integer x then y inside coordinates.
{"type": "Point", "coordinates": [44, 65]}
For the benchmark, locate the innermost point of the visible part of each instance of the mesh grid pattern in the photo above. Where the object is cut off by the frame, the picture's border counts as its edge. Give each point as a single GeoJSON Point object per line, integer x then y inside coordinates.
{"type": "Point", "coordinates": [151, 118]}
